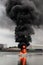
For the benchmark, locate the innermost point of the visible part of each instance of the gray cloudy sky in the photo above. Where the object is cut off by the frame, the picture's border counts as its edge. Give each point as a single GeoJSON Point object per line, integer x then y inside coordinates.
{"type": "Point", "coordinates": [7, 29]}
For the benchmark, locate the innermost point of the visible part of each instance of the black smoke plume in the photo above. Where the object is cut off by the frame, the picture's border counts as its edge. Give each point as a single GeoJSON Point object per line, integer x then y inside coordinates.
{"type": "Point", "coordinates": [24, 15]}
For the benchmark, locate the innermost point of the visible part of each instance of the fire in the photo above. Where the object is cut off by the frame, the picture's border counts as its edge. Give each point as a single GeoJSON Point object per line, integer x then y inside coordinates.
{"type": "Point", "coordinates": [23, 58]}
{"type": "Point", "coordinates": [23, 49]}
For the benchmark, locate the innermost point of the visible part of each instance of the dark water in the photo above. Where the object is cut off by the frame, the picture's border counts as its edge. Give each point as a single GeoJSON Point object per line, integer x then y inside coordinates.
{"type": "Point", "coordinates": [12, 58]}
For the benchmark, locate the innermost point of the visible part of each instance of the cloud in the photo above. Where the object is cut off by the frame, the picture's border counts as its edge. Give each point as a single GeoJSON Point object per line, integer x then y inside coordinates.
{"type": "Point", "coordinates": [7, 37]}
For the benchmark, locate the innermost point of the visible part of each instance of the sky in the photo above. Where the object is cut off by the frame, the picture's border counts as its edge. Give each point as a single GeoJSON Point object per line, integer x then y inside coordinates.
{"type": "Point", "coordinates": [7, 28]}
{"type": "Point", "coordinates": [7, 37]}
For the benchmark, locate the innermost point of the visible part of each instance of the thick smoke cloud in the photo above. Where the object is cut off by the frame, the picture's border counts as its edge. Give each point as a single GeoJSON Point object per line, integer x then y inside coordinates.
{"type": "Point", "coordinates": [24, 14]}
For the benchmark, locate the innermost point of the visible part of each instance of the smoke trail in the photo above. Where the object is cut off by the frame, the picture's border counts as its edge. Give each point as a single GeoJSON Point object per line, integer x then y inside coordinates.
{"type": "Point", "coordinates": [24, 14]}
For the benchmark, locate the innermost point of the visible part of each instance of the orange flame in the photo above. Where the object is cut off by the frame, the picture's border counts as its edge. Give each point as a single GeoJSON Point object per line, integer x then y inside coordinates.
{"type": "Point", "coordinates": [23, 59]}
{"type": "Point", "coordinates": [23, 49]}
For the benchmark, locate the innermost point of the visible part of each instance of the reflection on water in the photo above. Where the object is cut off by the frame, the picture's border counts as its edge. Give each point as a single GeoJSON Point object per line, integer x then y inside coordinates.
{"type": "Point", "coordinates": [22, 61]}
{"type": "Point", "coordinates": [12, 58]}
